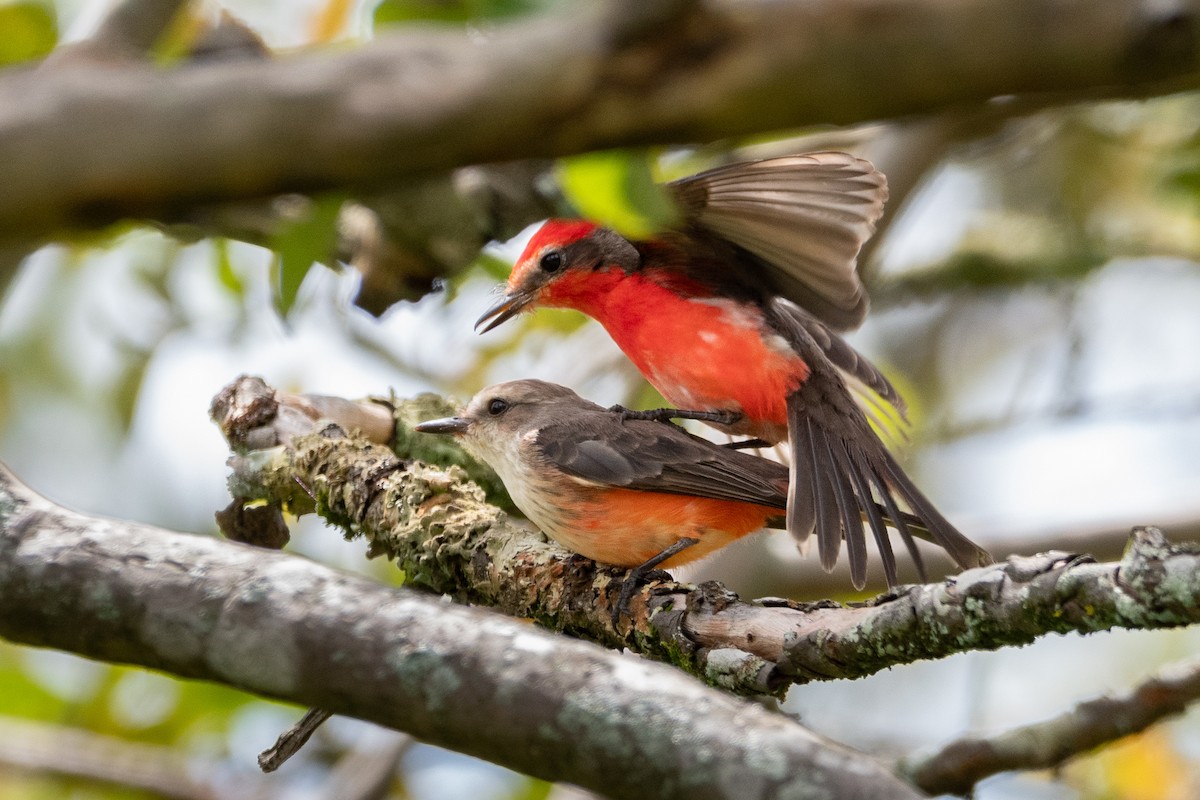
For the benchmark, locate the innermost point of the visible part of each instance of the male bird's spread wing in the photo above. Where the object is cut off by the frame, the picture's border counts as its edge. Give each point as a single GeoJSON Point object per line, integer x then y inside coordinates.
{"type": "Point", "coordinates": [803, 219]}
{"type": "Point", "coordinates": [839, 469]}
{"type": "Point", "coordinates": [601, 448]}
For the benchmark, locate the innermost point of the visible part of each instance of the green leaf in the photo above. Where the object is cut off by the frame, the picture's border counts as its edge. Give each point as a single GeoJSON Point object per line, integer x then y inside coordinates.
{"type": "Point", "coordinates": [227, 276]}
{"type": "Point", "coordinates": [301, 242]}
{"type": "Point", "coordinates": [492, 265]}
{"type": "Point", "coordinates": [27, 31]}
{"type": "Point", "coordinates": [391, 12]}
{"type": "Point", "coordinates": [617, 188]}
{"type": "Point", "coordinates": [533, 789]}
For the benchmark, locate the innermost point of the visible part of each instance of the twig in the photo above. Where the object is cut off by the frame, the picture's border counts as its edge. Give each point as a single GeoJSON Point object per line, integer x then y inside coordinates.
{"type": "Point", "coordinates": [291, 740]}
{"type": "Point", "coordinates": [957, 767]}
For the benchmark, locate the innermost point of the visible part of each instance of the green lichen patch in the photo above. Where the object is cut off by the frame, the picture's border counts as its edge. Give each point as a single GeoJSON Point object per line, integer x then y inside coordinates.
{"type": "Point", "coordinates": [442, 450]}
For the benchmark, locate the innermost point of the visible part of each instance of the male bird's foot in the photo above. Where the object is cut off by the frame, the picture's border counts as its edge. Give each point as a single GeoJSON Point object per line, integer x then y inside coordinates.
{"type": "Point", "coordinates": [668, 414]}
{"type": "Point", "coordinates": [636, 576]}
{"type": "Point", "coordinates": [747, 444]}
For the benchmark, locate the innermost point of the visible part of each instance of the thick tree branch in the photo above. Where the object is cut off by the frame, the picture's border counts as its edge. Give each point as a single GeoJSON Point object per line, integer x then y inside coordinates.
{"type": "Point", "coordinates": [958, 766]}
{"type": "Point", "coordinates": [85, 146]}
{"type": "Point", "coordinates": [446, 537]}
{"type": "Point", "coordinates": [460, 677]}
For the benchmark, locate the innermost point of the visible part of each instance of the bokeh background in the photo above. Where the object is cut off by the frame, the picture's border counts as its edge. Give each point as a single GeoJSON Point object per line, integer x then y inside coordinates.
{"type": "Point", "coordinates": [1035, 295]}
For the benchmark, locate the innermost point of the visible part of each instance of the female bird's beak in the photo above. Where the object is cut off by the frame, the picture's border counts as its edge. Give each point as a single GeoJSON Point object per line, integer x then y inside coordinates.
{"type": "Point", "coordinates": [444, 425]}
{"type": "Point", "coordinates": [507, 307]}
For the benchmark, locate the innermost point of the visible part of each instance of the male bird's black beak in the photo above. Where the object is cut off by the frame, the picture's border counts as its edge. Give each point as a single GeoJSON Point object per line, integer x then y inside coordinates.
{"type": "Point", "coordinates": [505, 309]}
{"type": "Point", "coordinates": [444, 425]}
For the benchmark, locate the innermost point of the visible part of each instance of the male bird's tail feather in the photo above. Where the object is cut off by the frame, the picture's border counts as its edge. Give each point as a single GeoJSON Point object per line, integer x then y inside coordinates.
{"type": "Point", "coordinates": [834, 486]}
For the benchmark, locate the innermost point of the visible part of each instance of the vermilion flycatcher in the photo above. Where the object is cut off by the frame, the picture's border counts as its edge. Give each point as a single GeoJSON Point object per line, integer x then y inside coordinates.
{"type": "Point", "coordinates": [736, 311]}
{"type": "Point", "coordinates": [625, 492]}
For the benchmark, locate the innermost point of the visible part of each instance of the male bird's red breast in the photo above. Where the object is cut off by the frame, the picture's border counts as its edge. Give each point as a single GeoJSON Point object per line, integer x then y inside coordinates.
{"type": "Point", "coordinates": [627, 527]}
{"type": "Point", "coordinates": [699, 351]}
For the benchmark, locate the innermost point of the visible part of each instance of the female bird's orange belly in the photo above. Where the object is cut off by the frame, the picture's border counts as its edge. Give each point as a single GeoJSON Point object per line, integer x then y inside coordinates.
{"type": "Point", "coordinates": [627, 527]}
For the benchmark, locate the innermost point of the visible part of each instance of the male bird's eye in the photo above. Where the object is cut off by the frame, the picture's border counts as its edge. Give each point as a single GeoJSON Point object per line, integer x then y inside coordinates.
{"type": "Point", "coordinates": [551, 262]}
{"type": "Point", "coordinates": [497, 407]}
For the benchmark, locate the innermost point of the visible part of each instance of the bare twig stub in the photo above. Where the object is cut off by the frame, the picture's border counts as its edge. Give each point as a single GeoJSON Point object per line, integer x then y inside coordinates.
{"type": "Point", "coordinates": [291, 740]}
{"type": "Point", "coordinates": [446, 537]}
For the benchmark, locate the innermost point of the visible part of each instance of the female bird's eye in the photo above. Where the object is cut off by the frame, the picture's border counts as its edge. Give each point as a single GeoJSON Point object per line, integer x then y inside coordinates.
{"type": "Point", "coordinates": [497, 407]}
{"type": "Point", "coordinates": [551, 262]}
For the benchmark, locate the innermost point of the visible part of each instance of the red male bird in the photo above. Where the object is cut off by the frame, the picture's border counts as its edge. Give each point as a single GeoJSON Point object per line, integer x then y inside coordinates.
{"type": "Point", "coordinates": [737, 310]}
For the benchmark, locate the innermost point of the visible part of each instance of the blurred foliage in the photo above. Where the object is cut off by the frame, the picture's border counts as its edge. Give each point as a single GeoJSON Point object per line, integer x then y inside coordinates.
{"type": "Point", "coordinates": [307, 237]}
{"type": "Point", "coordinates": [115, 701]}
{"type": "Point", "coordinates": [186, 28]}
{"type": "Point", "coordinates": [618, 188]}
{"type": "Point", "coordinates": [1183, 173]}
{"type": "Point", "coordinates": [1147, 766]}
{"type": "Point", "coordinates": [332, 20]}
{"type": "Point", "coordinates": [48, 348]}
{"type": "Point", "coordinates": [227, 276]}
{"type": "Point", "coordinates": [392, 12]}
{"type": "Point", "coordinates": [28, 30]}
{"type": "Point", "coordinates": [980, 269]}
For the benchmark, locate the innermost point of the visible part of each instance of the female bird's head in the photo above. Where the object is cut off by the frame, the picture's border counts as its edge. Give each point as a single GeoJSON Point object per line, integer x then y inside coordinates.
{"type": "Point", "coordinates": [556, 266]}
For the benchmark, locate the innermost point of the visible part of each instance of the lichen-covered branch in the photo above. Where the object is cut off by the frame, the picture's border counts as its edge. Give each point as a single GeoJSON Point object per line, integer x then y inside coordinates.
{"type": "Point", "coordinates": [444, 534]}
{"type": "Point", "coordinates": [446, 537]}
{"type": "Point", "coordinates": [957, 767]}
{"type": "Point", "coordinates": [1155, 585]}
{"type": "Point", "coordinates": [82, 147]}
{"type": "Point", "coordinates": [450, 675]}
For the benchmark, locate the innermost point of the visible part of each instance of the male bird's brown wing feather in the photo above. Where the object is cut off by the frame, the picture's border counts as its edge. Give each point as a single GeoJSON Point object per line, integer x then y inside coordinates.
{"type": "Point", "coordinates": [840, 467]}
{"type": "Point", "coordinates": [804, 218]}
{"type": "Point", "coordinates": [602, 448]}
{"type": "Point", "coordinates": [844, 357]}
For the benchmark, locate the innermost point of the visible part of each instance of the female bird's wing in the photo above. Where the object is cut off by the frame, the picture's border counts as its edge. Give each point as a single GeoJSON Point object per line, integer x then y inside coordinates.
{"type": "Point", "coordinates": [605, 449]}
{"type": "Point", "coordinates": [803, 218]}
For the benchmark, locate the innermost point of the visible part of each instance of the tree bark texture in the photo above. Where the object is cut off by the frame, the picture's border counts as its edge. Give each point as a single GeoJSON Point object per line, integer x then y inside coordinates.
{"type": "Point", "coordinates": [82, 145]}
{"type": "Point", "coordinates": [459, 677]}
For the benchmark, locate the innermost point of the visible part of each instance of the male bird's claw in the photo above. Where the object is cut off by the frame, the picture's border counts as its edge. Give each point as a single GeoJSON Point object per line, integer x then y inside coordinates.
{"type": "Point", "coordinates": [668, 414]}
{"type": "Point", "coordinates": [747, 444]}
{"type": "Point", "coordinates": [637, 576]}
{"type": "Point", "coordinates": [625, 413]}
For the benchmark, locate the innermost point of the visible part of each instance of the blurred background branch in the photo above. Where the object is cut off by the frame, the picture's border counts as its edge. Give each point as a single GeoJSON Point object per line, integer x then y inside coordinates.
{"type": "Point", "coordinates": [227, 130]}
{"type": "Point", "coordinates": [960, 765]}
{"type": "Point", "coordinates": [56, 749]}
